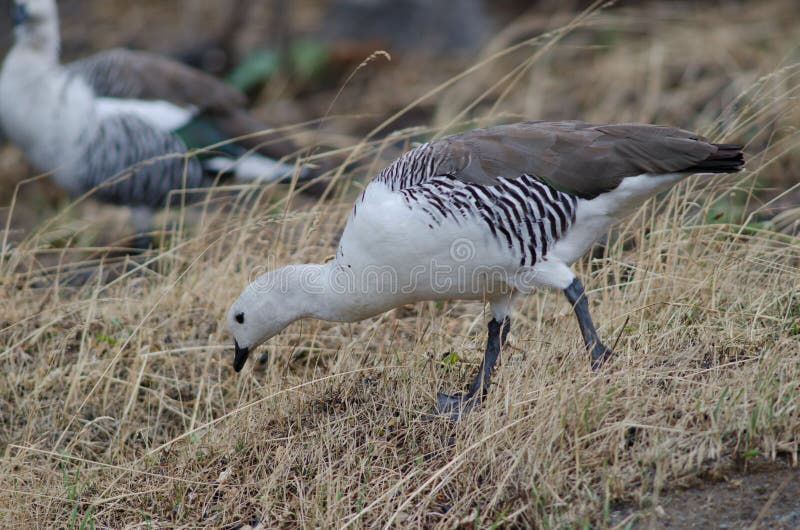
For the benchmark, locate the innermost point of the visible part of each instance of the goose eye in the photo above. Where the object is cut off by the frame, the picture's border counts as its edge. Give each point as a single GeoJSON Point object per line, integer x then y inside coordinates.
{"type": "Point", "coordinates": [239, 318]}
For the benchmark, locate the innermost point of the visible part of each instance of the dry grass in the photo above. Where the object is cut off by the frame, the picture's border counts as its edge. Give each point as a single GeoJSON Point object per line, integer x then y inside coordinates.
{"type": "Point", "coordinates": [120, 407]}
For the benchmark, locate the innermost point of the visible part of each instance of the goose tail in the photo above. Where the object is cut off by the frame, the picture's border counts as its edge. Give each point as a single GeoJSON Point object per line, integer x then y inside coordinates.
{"type": "Point", "coordinates": [253, 167]}
{"type": "Point", "coordinates": [728, 158]}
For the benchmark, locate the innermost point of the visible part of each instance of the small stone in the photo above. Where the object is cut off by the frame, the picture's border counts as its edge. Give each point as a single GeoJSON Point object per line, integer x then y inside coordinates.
{"type": "Point", "coordinates": [223, 477]}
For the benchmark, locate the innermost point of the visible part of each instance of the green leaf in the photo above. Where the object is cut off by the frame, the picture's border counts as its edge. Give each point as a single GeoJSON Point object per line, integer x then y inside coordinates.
{"type": "Point", "coordinates": [451, 359]}
{"type": "Point", "coordinates": [111, 341]}
{"type": "Point", "coordinates": [309, 58]}
{"type": "Point", "coordinates": [255, 68]}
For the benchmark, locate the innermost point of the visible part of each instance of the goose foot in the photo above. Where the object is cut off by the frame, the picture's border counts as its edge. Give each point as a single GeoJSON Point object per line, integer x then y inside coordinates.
{"type": "Point", "coordinates": [600, 354]}
{"type": "Point", "coordinates": [142, 242]}
{"type": "Point", "coordinates": [454, 406]}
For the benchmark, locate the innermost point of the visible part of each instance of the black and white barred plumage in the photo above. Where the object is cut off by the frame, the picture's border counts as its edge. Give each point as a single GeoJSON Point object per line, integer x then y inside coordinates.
{"type": "Point", "coordinates": [130, 163]}
{"type": "Point", "coordinates": [523, 213]}
{"type": "Point", "coordinates": [523, 183]}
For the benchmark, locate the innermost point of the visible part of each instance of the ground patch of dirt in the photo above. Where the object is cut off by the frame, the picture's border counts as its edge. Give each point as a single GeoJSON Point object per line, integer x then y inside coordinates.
{"type": "Point", "coordinates": [768, 498]}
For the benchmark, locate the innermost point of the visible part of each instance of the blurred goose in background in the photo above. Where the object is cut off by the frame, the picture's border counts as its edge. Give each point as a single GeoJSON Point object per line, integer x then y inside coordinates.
{"type": "Point", "coordinates": [489, 215]}
{"type": "Point", "coordinates": [121, 121]}
{"type": "Point", "coordinates": [422, 26]}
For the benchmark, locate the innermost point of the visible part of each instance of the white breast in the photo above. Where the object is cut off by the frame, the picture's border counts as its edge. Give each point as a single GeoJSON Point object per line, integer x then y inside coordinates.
{"type": "Point", "coordinates": [43, 110]}
{"type": "Point", "coordinates": [395, 254]}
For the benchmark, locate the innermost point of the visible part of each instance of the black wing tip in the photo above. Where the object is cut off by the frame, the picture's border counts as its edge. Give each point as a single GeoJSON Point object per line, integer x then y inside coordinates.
{"type": "Point", "coordinates": [728, 158]}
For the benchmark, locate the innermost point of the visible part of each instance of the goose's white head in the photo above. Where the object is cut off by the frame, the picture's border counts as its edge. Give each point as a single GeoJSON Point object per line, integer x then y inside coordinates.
{"type": "Point", "coordinates": [270, 303]}
{"type": "Point", "coordinates": [36, 23]}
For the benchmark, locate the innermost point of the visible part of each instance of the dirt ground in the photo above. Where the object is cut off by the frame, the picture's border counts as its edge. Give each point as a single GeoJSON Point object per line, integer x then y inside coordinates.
{"type": "Point", "coordinates": [767, 496]}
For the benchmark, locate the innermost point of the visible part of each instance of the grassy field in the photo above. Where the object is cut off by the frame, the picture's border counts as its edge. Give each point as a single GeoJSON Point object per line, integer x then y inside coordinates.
{"type": "Point", "coordinates": [120, 407]}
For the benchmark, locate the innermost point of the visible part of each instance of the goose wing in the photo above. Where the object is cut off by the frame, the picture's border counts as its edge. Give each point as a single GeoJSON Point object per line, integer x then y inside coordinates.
{"type": "Point", "coordinates": [128, 74]}
{"type": "Point", "coordinates": [578, 158]}
{"type": "Point", "coordinates": [136, 75]}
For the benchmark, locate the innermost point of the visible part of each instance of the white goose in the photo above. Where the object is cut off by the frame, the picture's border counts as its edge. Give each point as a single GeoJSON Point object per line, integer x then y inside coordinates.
{"type": "Point", "coordinates": [123, 111]}
{"type": "Point", "coordinates": [490, 215]}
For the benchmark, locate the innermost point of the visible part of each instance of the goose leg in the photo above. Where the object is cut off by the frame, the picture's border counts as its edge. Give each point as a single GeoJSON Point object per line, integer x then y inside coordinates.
{"type": "Point", "coordinates": [577, 297]}
{"type": "Point", "coordinates": [459, 404]}
{"type": "Point", "coordinates": [142, 221]}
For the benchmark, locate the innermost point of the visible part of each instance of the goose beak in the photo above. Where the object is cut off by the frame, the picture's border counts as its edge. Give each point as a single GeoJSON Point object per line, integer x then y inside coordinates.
{"type": "Point", "coordinates": [240, 356]}
{"type": "Point", "coordinates": [19, 14]}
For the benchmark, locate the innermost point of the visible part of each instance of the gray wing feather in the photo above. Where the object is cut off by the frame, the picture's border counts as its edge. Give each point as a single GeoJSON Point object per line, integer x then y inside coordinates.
{"type": "Point", "coordinates": [131, 163]}
{"type": "Point", "coordinates": [122, 73]}
{"type": "Point", "coordinates": [575, 157]}
{"type": "Point", "coordinates": [127, 74]}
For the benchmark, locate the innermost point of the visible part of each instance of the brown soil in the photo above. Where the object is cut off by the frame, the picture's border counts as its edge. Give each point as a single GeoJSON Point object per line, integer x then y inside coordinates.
{"type": "Point", "coordinates": [768, 497]}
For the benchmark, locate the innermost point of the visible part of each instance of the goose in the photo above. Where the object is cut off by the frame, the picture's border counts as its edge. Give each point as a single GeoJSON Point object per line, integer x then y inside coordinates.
{"type": "Point", "coordinates": [119, 121]}
{"type": "Point", "coordinates": [490, 215]}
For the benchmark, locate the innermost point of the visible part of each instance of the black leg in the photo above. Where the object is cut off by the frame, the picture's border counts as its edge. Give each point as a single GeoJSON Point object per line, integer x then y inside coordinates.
{"type": "Point", "coordinates": [142, 242]}
{"type": "Point", "coordinates": [458, 404]}
{"type": "Point", "coordinates": [505, 331]}
{"type": "Point", "coordinates": [577, 298]}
